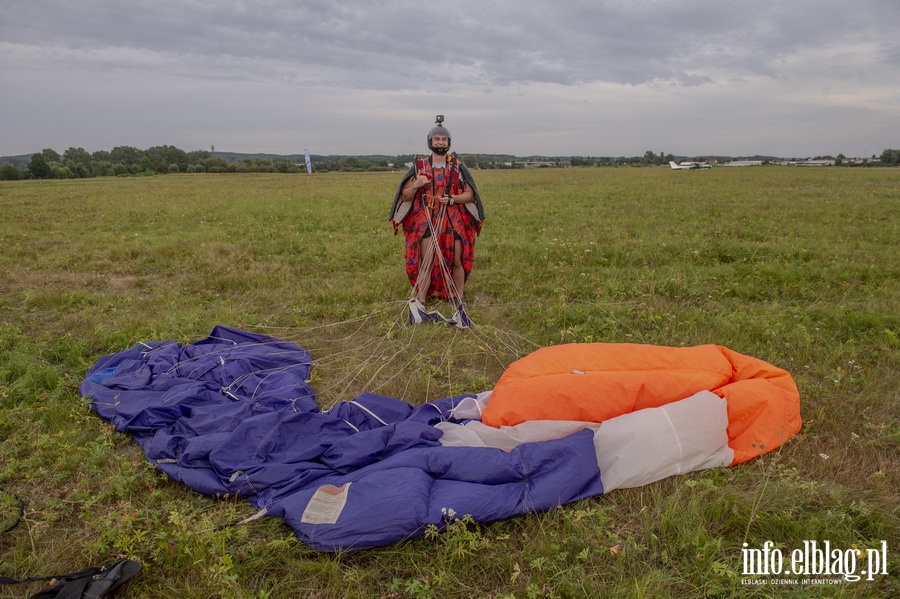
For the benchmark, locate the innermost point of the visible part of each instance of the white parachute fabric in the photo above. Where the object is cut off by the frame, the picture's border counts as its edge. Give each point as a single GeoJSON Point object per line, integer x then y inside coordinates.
{"type": "Point", "coordinates": [632, 450]}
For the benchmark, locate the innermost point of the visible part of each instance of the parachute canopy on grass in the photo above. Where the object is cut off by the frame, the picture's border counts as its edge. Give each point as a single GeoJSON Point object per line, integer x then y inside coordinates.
{"type": "Point", "coordinates": [233, 414]}
{"type": "Point", "coordinates": [597, 381]}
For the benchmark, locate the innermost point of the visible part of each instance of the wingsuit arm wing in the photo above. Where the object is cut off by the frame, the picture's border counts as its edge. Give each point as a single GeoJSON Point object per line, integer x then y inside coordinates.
{"type": "Point", "coordinates": [400, 209]}
{"type": "Point", "coordinates": [476, 208]}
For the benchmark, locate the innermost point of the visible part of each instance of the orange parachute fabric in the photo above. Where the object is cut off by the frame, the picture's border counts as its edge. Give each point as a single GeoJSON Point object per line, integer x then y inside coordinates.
{"type": "Point", "coordinates": [594, 382]}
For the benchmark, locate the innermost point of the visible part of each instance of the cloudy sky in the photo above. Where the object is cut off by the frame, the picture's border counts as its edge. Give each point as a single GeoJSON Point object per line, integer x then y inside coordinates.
{"type": "Point", "coordinates": [565, 77]}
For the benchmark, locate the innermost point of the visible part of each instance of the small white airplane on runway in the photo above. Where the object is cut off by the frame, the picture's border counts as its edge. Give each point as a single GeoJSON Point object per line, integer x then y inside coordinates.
{"type": "Point", "coordinates": [686, 166]}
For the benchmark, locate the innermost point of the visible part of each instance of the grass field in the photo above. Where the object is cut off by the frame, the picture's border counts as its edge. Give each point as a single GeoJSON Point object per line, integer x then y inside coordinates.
{"type": "Point", "coordinates": [798, 267]}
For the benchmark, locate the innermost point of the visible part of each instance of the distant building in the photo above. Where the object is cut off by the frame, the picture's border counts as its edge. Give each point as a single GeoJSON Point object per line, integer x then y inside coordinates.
{"type": "Point", "coordinates": [536, 163]}
{"type": "Point", "coordinates": [820, 162]}
{"type": "Point", "coordinates": [744, 163]}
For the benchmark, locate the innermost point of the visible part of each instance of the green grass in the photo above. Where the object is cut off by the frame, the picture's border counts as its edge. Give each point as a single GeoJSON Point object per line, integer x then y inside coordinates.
{"type": "Point", "coordinates": [796, 267]}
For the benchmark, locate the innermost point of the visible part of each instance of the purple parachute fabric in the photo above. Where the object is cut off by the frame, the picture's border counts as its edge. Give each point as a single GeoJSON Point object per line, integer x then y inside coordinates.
{"type": "Point", "coordinates": [233, 414]}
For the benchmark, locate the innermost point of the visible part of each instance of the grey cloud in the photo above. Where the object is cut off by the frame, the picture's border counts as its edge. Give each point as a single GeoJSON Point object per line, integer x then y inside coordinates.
{"type": "Point", "coordinates": [500, 43]}
{"type": "Point", "coordinates": [556, 62]}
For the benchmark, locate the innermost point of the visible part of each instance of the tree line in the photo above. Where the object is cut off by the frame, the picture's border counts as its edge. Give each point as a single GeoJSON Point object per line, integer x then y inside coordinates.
{"type": "Point", "coordinates": [77, 163]}
{"type": "Point", "coordinates": [890, 157]}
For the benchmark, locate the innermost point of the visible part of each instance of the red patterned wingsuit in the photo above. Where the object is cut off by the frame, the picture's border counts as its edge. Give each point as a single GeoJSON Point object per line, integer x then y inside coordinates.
{"type": "Point", "coordinates": [424, 212]}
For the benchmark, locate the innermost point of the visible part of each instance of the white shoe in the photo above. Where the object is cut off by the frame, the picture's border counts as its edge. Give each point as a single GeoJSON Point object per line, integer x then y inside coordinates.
{"type": "Point", "coordinates": [418, 314]}
{"type": "Point", "coordinates": [460, 319]}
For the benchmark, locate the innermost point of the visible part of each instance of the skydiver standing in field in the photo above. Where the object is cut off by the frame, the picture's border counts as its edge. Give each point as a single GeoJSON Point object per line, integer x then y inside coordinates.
{"type": "Point", "coordinates": [440, 210]}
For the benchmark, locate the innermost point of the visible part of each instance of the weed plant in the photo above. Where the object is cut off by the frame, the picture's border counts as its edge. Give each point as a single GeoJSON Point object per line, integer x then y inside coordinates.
{"type": "Point", "coordinates": [798, 267]}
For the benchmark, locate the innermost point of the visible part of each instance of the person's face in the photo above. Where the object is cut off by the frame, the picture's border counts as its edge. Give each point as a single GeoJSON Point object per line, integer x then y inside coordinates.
{"type": "Point", "coordinates": [440, 141]}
